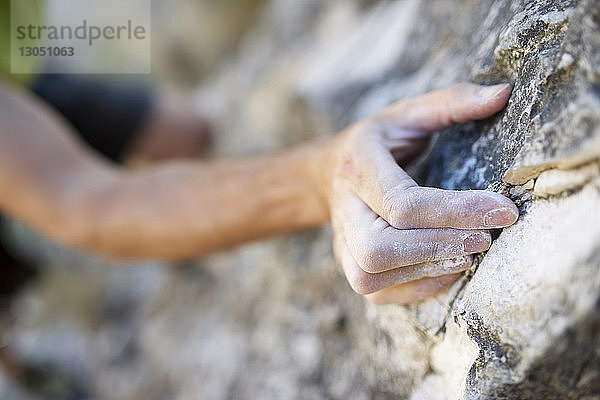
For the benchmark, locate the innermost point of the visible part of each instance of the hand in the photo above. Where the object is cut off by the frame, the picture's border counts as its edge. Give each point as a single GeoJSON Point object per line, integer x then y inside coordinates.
{"type": "Point", "coordinates": [398, 242]}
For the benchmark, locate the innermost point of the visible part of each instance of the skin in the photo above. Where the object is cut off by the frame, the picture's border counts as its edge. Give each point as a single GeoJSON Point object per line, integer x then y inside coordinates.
{"type": "Point", "coordinates": [397, 242]}
{"type": "Point", "coordinates": [390, 234]}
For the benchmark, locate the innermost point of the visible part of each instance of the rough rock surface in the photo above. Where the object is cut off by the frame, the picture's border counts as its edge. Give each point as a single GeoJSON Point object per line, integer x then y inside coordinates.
{"type": "Point", "coordinates": [275, 320]}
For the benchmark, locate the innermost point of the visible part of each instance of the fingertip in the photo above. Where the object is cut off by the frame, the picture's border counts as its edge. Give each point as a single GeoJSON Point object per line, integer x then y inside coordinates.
{"type": "Point", "coordinates": [496, 94]}
{"type": "Point", "coordinates": [498, 210]}
{"type": "Point", "coordinates": [458, 103]}
{"type": "Point", "coordinates": [503, 214]}
{"type": "Point", "coordinates": [470, 101]}
{"type": "Point", "coordinates": [501, 217]}
{"type": "Point", "coordinates": [477, 242]}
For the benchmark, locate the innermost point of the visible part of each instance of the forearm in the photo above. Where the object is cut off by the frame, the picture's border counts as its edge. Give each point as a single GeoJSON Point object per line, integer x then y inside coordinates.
{"type": "Point", "coordinates": [58, 186]}
{"type": "Point", "coordinates": [185, 209]}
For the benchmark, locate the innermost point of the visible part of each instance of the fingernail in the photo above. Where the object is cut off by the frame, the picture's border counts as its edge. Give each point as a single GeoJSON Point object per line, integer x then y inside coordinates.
{"type": "Point", "coordinates": [490, 93]}
{"type": "Point", "coordinates": [476, 242]}
{"type": "Point", "coordinates": [500, 217]}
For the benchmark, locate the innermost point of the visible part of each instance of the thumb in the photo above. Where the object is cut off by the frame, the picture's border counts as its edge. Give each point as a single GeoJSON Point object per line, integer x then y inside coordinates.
{"type": "Point", "coordinates": [458, 103]}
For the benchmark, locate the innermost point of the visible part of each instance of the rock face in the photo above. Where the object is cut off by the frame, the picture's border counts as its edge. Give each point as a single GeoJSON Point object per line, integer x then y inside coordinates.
{"type": "Point", "coordinates": [276, 320]}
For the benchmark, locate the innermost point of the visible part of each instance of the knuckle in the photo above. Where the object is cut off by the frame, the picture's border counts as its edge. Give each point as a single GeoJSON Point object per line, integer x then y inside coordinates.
{"type": "Point", "coordinates": [370, 258]}
{"type": "Point", "coordinates": [395, 206]}
{"type": "Point", "coordinates": [391, 208]}
{"type": "Point", "coordinates": [361, 283]}
{"type": "Point", "coordinates": [413, 207]}
{"type": "Point", "coordinates": [404, 208]}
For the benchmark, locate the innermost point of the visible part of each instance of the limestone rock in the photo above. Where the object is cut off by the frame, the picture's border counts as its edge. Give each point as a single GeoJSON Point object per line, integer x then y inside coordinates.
{"type": "Point", "coordinates": [557, 181]}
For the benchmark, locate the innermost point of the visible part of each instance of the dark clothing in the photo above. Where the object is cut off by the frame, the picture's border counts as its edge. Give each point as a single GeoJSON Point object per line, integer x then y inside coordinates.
{"type": "Point", "coordinates": [107, 117]}
{"type": "Point", "coordinates": [14, 272]}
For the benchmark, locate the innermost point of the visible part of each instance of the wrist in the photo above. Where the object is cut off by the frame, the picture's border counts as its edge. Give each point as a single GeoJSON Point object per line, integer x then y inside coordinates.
{"type": "Point", "coordinates": [317, 172]}
{"type": "Point", "coordinates": [333, 161]}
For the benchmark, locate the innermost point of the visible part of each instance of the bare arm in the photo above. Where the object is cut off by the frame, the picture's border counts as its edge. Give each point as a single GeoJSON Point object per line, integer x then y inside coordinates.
{"type": "Point", "coordinates": [58, 186]}
{"type": "Point", "coordinates": [396, 241]}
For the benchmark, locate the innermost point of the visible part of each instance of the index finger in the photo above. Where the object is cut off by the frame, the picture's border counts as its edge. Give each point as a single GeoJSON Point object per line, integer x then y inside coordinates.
{"type": "Point", "coordinates": [392, 194]}
{"type": "Point", "coordinates": [454, 104]}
